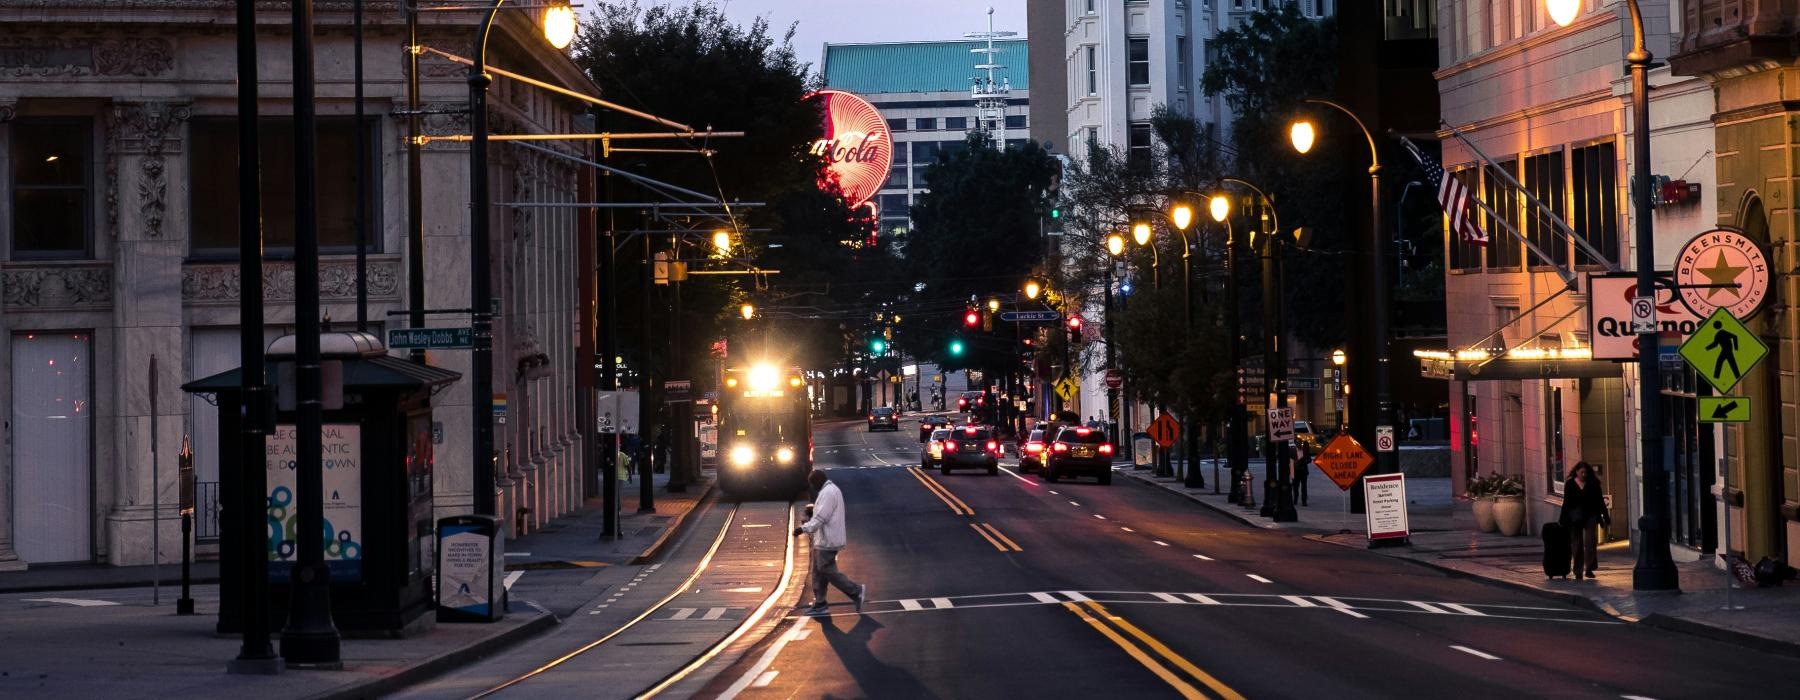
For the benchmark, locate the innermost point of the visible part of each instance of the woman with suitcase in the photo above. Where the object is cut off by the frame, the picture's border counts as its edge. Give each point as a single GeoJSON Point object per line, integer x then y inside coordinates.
{"type": "Point", "coordinates": [1584, 507]}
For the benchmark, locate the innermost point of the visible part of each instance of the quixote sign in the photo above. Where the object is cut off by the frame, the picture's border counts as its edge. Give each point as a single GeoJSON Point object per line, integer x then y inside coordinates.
{"type": "Point", "coordinates": [857, 146]}
{"type": "Point", "coordinates": [1609, 321]}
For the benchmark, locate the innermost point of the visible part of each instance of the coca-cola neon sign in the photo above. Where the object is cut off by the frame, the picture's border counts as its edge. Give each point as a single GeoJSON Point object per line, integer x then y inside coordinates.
{"type": "Point", "coordinates": [857, 146]}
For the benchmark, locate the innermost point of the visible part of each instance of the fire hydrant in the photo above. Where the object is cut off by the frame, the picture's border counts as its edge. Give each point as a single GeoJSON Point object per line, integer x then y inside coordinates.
{"type": "Point", "coordinates": [1249, 486]}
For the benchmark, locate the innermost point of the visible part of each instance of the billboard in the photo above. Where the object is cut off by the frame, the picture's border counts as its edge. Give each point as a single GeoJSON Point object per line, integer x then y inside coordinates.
{"type": "Point", "coordinates": [857, 147]}
{"type": "Point", "coordinates": [1609, 316]}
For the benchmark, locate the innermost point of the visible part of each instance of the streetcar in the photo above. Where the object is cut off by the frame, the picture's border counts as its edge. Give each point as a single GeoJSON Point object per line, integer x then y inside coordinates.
{"type": "Point", "coordinates": [765, 432]}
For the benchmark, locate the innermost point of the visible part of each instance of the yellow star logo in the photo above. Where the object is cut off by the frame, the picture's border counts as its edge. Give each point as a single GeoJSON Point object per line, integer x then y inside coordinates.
{"type": "Point", "coordinates": [1721, 273]}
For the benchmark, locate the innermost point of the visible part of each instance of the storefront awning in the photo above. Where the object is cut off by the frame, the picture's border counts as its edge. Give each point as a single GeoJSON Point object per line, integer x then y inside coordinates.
{"type": "Point", "coordinates": [1520, 363]}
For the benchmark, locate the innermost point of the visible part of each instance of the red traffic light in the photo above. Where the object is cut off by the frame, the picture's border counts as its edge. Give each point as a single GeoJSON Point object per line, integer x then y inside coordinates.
{"type": "Point", "coordinates": [1074, 322]}
{"type": "Point", "coordinates": [971, 318]}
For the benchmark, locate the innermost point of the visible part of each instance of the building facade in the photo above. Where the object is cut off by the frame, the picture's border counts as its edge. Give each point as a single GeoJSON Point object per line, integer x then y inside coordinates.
{"type": "Point", "coordinates": [925, 90]}
{"type": "Point", "coordinates": [118, 245]}
{"type": "Point", "coordinates": [1743, 51]}
{"type": "Point", "coordinates": [1549, 107]}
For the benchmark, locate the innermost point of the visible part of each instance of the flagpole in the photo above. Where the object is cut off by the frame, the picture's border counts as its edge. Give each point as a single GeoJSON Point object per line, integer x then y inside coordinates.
{"type": "Point", "coordinates": [1567, 230]}
{"type": "Point", "coordinates": [1567, 276]}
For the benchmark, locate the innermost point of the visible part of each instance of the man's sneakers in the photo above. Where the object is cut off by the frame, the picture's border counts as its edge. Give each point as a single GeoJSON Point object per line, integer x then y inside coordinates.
{"type": "Point", "coordinates": [819, 608]}
{"type": "Point", "coordinates": [862, 591]}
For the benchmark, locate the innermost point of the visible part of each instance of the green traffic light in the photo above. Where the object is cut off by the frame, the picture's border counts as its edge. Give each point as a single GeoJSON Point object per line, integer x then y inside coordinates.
{"type": "Point", "coordinates": [956, 348]}
{"type": "Point", "coordinates": [1056, 212]}
{"type": "Point", "coordinates": [877, 346]}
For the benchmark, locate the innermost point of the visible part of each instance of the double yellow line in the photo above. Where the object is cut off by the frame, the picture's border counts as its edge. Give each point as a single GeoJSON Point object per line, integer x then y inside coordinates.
{"type": "Point", "coordinates": [957, 505]}
{"type": "Point", "coordinates": [992, 535]}
{"type": "Point", "coordinates": [1098, 617]}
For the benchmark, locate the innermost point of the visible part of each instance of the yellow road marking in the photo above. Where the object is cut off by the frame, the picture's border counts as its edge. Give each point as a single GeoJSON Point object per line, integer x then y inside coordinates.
{"type": "Point", "coordinates": [1217, 686]}
{"type": "Point", "coordinates": [985, 536]}
{"type": "Point", "coordinates": [1003, 538]}
{"type": "Point", "coordinates": [956, 504]}
{"type": "Point", "coordinates": [933, 488]}
{"type": "Point", "coordinates": [1186, 689]}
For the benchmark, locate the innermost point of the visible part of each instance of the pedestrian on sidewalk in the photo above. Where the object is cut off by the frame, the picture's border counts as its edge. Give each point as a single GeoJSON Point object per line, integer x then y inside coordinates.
{"type": "Point", "coordinates": [1297, 480]}
{"type": "Point", "coordinates": [826, 528]}
{"type": "Point", "coordinates": [1584, 507]}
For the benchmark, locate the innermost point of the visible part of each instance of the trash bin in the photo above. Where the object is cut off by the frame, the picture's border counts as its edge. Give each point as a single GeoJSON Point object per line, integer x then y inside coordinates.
{"type": "Point", "coordinates": [470, 585]}
{"type": "Point", "coordinates": [1140, 449]}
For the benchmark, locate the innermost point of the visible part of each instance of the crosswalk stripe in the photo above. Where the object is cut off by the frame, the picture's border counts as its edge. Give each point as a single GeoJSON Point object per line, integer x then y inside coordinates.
{"type": "Point", "coordinates": [1044, 598]}
{"type": "Point", "coordinates": [1340, 606]}
{"type": "Point", "coordinates": [941, 603]}
{"type": "Point", "coordinates": [1464, 609]}
{"type": "Point", "coordinates": [1167, 598]}
{"type": "Point", "coordinates": [1077, 597]}
{"type": "Point", "coordinates": [714, 613]}
{"type": "Point", "coordinates": [1427, 607]}
{"type": "Point", "coordinates": [684, 613]}
{"type": "Point", "coordinates": [765, 679]}
{"type": "Point", "coordinates": [910, 604]}
{"type": "Point", "coordinates": [1299, 601]}
{"type": "Point", "coordinates": [1201, 599]}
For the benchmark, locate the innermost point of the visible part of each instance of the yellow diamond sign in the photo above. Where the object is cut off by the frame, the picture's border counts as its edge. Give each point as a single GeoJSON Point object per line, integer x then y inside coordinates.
{"type": "Point", "coordinates": [1722, 350]}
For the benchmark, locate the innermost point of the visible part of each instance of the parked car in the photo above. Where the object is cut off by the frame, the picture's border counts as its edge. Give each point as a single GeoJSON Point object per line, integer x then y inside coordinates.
{"type": "Point", "coordinates": [971, 447]}
{"type": "Point", "coordinates": [1303, 433]}
{"type": "Point", "coordinates": [1079, 451]}
{"type": "Point", "coordinates": [884, 418]}
{"type": "Point", "coordinates": [933, 451]}
{"type": "Point", "coordinates": [1031, 454]}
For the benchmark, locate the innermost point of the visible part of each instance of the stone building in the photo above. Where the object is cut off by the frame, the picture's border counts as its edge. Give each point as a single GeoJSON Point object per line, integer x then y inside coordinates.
{"type": "Point", "coordinates": [1744, 52]}
{"type": "Point", "coordinates": [118, 235]}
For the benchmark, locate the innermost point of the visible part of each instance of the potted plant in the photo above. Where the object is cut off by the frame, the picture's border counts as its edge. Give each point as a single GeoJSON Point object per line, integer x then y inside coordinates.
{"type": "Point", "coordinates": [1509, 505]}
{"type": "Point", "coordinates": [1480, 495]}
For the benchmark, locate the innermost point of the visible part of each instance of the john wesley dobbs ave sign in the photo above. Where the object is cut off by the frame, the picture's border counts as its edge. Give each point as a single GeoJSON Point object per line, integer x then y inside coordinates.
{"type": "Point", "coordinates": [431, 338]}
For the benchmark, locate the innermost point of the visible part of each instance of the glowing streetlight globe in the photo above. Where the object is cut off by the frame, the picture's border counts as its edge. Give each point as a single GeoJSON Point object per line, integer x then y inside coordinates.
{"type": "Point", "coordinates": [1302, 135]}
{"type": "Point", "coordinates": [1182, 215]}
{"type": "Point", "coordinates": [748, 311]}
{"type": "Point", "coordinates": [721, 241]}
{"type": "Point", "coordinates": [1115, 244]}
{"type": "Point", "coordinates": [1033, 288]}
{"type": "Point", "coordinates": [1337, 357]}
{"type": "Point", "coordinates": [559, 26]}
{"type": "Point", "coordinates": [1563, 12]}
{"type": "Point", "coordinates": [1219, 206]}
{"type": "Point", "coordinates": [1140, 232]}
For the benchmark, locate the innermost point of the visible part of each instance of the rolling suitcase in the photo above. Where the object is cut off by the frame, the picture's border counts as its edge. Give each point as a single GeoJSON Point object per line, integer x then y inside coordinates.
{"type": "Point", "coordinates": [1557, 557]}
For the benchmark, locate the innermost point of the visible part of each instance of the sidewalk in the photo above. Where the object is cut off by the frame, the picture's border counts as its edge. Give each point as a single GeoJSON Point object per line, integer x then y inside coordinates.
{"type": "Point", "coordinates": [111, 641]}
{"type": "Point", "coordinates": [1444, 538]}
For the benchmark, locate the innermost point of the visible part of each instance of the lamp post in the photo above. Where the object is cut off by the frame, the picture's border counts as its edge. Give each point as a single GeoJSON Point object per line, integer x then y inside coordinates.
{"type": "Point", "coordinates": [1302, 134]}
{"type": "Point", "coordinates": [1140, 233]}
{"type": "Point", "coordinates": [1237, 436]}
{"type": "Point", "coordinates": [1337, 379]}
{"type": "Point", "coordinates": [1655, 569]}
{"type": "Point", "coordinates": [1115, 247]}
{"type": "Point", "coordinates": [1279, 504]}
{"type": "Point", "coordinates": [1191, 478]}
{"type": "Point", "coordinates": [558, 26]}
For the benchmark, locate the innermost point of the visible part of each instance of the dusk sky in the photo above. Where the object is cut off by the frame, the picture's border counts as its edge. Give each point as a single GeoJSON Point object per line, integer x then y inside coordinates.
{"type": "Point", "coordinates": [845, 21]}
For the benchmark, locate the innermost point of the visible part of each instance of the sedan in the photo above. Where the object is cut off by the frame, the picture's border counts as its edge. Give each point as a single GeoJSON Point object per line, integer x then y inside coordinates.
{"type": "Point", "coordinates": [929, 424]}
{"type": "Point", "coordinates": [971, 447]}
{"type": "Point", "coordinates": [933, 452]}
{"type": "Point", "coordinates": [1080, 451]}
{"type": "Point", "coordinates": [1031, 453]}
{"type": "Point", "coordinates": [884, 418]}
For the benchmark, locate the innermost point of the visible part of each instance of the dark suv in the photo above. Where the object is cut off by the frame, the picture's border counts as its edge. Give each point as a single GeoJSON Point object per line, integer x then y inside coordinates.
{"type": "Point", "coordinates": [1079, 451]}
{"type": "Point", "coordinates": [971, 447]}
{"type": "Point", "coordinates": [884, 418]}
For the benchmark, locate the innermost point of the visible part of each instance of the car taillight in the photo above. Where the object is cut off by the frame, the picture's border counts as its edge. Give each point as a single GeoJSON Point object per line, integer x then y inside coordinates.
{"type": "Point", "coordinates": [1059, 447]}
{"type": "Point", "coordinates": [949, 444]}
{"type": "Point", "coordinates": [1106, 449]}
{"type": "Point", "coordinates": [1034, 447]}
{"type": "Point", "coordinates": [993, 446]}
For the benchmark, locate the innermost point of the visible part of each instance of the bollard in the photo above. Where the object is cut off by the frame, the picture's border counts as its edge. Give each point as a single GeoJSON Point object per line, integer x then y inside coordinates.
{"type": "Point", "coordinates": [1249, 498]}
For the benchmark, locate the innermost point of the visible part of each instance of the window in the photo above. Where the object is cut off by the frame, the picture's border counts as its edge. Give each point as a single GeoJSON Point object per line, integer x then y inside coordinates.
{"type": "Point", "coordinates": [1183, 73]}
{"type": "Point", "coordinates": [1463, 254]}
{"type": "Point", "coordinates": [1093, 136]}
{"type": "Point", "coordinates": [1137, 146]}
{"type": "Point", "coordinates": [1503, 248]}
{"type": "Point", "coordinates": [1593, 176]}
{"type": "Point", "coordinates": [926, 123]}
{"type": "Point", "coordinates": [896, 125]}
{"type": "Point", "coordinates": [52, 179]}
{"type": "Point", "coordinates": [1138, 70]}
{"type": "Point", "coordinates": [1553, 438]}
{"type": "Point", "coordinates": [956, 123]}
{"type": "Point", "coordinates": [1471, 435]}
{"type": "Point", "coordinates": [214, 178]}
{"type": "Point", "coordinates": [893, 206]}
{"type": "Point", "coordinates": [1015, 121]}
{"type": "Point", "coordinates": [924, 153]}
{"type": "Point", "coordinates": [1093, 72]}
{"type": "Point", "coordinates": [896, 178]}
{"type": "Point", "coordinates": [1544, 179]}
{"type": "Point", "coordinates": [1088, 6]}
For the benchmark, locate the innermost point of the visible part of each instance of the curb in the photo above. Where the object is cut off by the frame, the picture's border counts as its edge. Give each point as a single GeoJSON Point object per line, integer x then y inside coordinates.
{"type": "Point", "coordinates": [173, 584]}
{"type": "Point", "coordinates": [437, 665]}
{"type": "Point", "coordinates": [1721, 634]}
{"type": "Point", "coordinates": [680, 525]}
{"type": "Point", "coordinates": [1238, 514]}
{"type": "Point", "coordinates": [1574, 599]}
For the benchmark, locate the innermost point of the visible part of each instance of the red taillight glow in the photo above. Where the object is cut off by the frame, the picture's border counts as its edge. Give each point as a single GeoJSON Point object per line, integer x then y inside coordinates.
{"type": "Point", "coordinates": [1034, 447]}
{"type": "Point", "coordinates": [1083, 431]}
{"type": "Point", "coordinates": [1106, 449]}
{"type": "Point", "coordinates": [969, 430]}
{"type": "Point", "coordinates": [1059, 447]}
{"type": "Point", "coordinates": [993, 446]}
{"type": "Point", "coordinates": [949, 444]}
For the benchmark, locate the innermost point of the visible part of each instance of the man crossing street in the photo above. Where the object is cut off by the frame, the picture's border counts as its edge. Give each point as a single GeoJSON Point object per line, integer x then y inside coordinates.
{"type": "Point", "coordinates": [826, 527]}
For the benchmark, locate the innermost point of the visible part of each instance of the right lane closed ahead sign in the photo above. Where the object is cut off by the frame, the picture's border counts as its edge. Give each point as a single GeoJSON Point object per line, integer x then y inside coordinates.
{"type": "Point", "coordinates": [1343, 460]}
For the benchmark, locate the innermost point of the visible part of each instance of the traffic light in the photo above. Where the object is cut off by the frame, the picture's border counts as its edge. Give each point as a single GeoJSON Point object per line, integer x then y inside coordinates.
{"type": "Point", "coordinates": [956, 347]}
{"type": "Point", "coordinates": [1074, 326]}
{"type": "Point", "coordinates": [971, 317]}
{"type": "Point", "coordinates": [877, 346]}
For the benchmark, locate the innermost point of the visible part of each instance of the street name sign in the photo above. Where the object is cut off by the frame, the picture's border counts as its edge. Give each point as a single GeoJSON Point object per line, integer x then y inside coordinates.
{"type": "Point", "coordinates": [1724, 409]}
{"type": "Point", "coordinates": [677, 390]}
{"type": "Point", "coordinates": [1385, 514]}
{"type": "Point", "coordinates": [1722, 350]}
{"type": "Point", "coordinates": [1303, 383]}
{"type": "Point", "coordinates": [1030, 316]}
{"type": "Point", "coordinates": [1281, 424]}
{"type": "Point", "coordinates": [431, 338]}
{"type": "Point", "coordinates": [1343, 460]}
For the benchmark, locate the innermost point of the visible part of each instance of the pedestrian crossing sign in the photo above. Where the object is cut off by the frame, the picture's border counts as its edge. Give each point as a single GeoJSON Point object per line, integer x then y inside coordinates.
{"type": "Point", "coordinates": [1721, 350]}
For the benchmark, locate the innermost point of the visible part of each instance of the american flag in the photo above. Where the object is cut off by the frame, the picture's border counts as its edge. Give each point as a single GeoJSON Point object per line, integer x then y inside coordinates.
{"type": "Point", "coordinates": [1453, 197]}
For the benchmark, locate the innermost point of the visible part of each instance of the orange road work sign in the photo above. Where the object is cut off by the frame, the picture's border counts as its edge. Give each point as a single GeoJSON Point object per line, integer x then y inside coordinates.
{"type": "Point", "coordinates": [1164, 430]}
{"type": "Point", "coordinates": [1343, 460]}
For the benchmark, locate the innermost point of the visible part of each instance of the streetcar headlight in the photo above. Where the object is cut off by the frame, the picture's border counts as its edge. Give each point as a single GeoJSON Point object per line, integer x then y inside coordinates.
{"type": "Point", "coordinates": [742, 455]}
{"type": "Point", "coordinates": [764, 378]}
{"type": "Point", "coordinates": [784, 454]}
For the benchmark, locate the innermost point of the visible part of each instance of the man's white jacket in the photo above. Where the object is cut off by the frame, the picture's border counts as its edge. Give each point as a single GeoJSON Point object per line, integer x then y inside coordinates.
{"type": "Point", "coordinates": [827, 524]}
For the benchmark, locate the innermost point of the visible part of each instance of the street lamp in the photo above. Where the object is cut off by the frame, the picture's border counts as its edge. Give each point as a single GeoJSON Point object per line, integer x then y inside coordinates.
{"type": "Point", "coordinates": [993, 305]}
{"type": "Point", "coordinates": [748, 311]}
{"type": "Point", "coordinates": [1301, 133]}
{"type": "Point", "coordinates": [1655, 569]}
{"type": "Point", "coordinates": [1181, 215]}
{"type": "Point", "coordinates": [721, 242]}
{"type": "Point", "coordinates": [1033, 288]}
{"type": "Point", "coordinates": [1220, 206]}
{"type": "Point", "coordinates": [1278, 504]}
{"type": "Point", "coordinates": [1115, 245]}
{"type": "Point", "coordinates": [1140, 231]}
{"type": "Point", "coordinates": [1191, 479]}
{"type": "Point", "coordinates": [1337, 362]}
{"type": "Point", "coordinates": [557, 25]}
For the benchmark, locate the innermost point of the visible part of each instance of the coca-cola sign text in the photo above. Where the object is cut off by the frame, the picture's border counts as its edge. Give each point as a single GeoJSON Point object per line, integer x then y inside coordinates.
{"type": "Point", "coordinates": [857, 146]}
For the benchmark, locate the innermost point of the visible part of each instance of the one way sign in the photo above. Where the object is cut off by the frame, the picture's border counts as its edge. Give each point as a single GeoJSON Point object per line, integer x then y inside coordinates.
{"type": "Point", "coordinates": [1724, 409]}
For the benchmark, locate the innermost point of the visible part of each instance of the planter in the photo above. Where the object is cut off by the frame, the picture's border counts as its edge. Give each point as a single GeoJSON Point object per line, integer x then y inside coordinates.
{"type": "Point", "coordinates": [1484, 513]}
{"type": "Point", "coordinates": [1509, 515]}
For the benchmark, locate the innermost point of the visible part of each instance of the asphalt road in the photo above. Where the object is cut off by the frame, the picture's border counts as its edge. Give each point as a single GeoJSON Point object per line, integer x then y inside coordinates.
{"type": "Point", "coordinates": [1004, 586]}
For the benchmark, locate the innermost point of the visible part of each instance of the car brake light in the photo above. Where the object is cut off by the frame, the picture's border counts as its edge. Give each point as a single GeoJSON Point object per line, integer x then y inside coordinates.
{"type": "Point", "coordinates": [993, 446]}
{"type": "Point", "coordinates": [969, 430]}
{"type": "Point", "coordinates": [949, 444]}
{"type": "Point", "coordinates": [1106, 449]}
{"type": "Point", "coordinates": [1083, 431]}
{"type": "Point", "coordinates": [1059, 447]}
{"type": "Point", "coordinates": [1034, 447]}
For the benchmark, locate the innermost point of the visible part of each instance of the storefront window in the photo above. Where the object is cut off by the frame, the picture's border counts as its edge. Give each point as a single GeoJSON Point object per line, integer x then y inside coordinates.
{"type": "Point", "coordinates": [1553, 438]}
